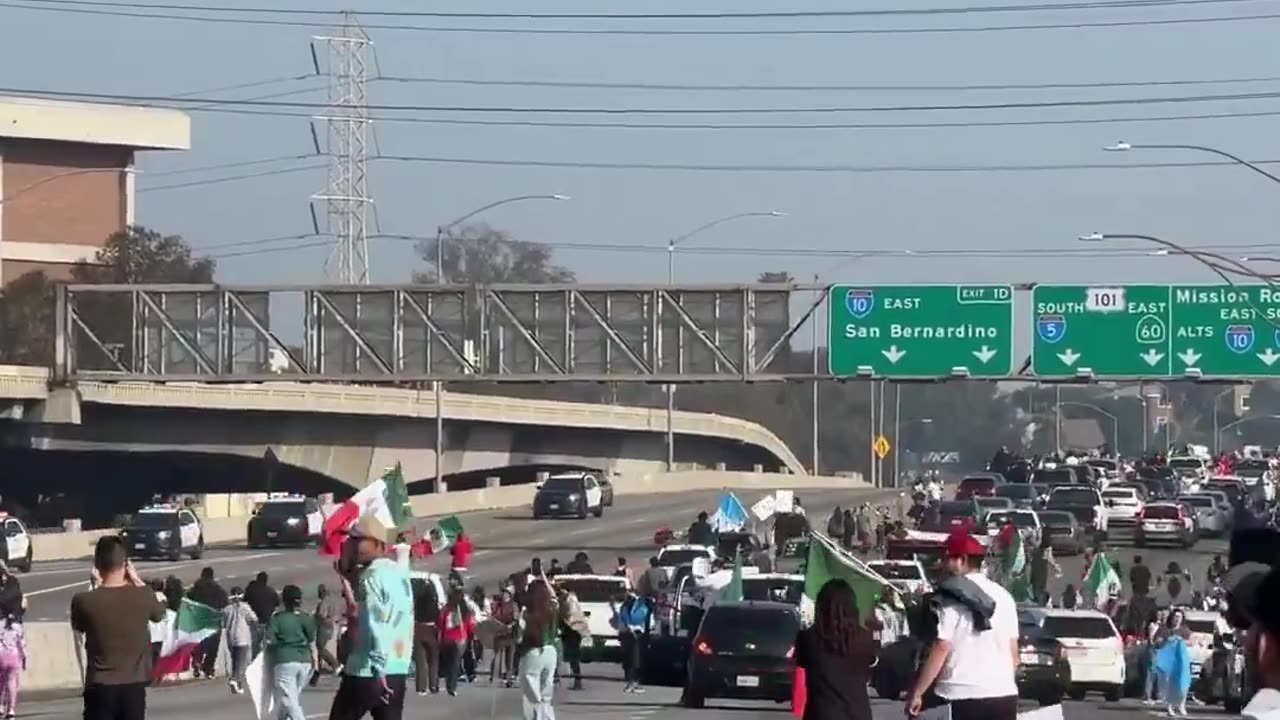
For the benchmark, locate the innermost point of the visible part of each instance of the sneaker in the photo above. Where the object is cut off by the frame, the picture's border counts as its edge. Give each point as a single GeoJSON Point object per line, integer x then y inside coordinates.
{"type": "Point", "coordinates": [637, 689]}
{"type": "Point", "coordinates": [453, 693]}
{"type": "Point", "coordinates": [235, 687]}
{"type": "Point", "coordinates": [422, 693]}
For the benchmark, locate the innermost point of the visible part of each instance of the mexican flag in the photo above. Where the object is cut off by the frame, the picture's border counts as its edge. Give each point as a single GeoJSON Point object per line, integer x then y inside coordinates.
{"type": "Point", "coordinates": [386, 498]}
{"type": "Point", "coordinates": [828, 562]}
{"type": "Point", "coordinates": [440, 537]}
{"type": "Point", "coordinates": [1011, 559]}
{"type": "Point", "coordinates": [733, 591]}
{"type": "Point", "coordinates": [194, 623]}
{"type": "Point", "coordinates": [1102, 581]}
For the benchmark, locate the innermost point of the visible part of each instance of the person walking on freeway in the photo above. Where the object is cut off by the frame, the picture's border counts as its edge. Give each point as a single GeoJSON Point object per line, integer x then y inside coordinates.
{"type": "Point", "coordinates": [207, 591]}
{"type": "Point", "coordinates": [291, 640]}
{"type": "Point", "coordinates": [13, 661]}
{"type": "Point", "coordinates": [836, 653]}
{"type": "Point", "coordinates": [536, 649]}
{"type": "Point", "coordinates": [263, 600]}
{"type": "Point", "coordinates": [237, 621]}
{"type": "Point", "coordinates": [975, 654]}
{"type": "Point", "coordinates": [327, 616]}
{"type": "Point", "coordinates": [377, 663]}
{"type": "Point", "coordinates": [113, 618]}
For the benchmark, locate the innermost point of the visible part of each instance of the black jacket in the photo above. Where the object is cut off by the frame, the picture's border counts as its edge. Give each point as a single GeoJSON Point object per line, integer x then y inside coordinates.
{"type": "Point", "coordinates": [209, 592]}
{"type": "Point", "coordinates": [262, 599]}
{"type": "Point", "coordinates": [966, 592]}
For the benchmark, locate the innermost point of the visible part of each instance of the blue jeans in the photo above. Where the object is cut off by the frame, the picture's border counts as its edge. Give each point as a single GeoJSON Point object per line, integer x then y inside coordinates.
{"type": "Point", "coordinates": [537, 682]}
{"type": "Point", "coordinates": [290, 678]}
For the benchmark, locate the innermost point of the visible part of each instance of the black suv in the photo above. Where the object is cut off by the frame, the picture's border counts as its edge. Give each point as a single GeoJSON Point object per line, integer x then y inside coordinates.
{"type": "Point", "coordinates": [291, 520]}
{"type": "Point", "coordinates": [743, 650]}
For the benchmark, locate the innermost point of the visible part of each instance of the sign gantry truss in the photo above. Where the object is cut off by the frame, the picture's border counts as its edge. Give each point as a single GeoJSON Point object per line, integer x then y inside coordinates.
{"type": "Point", "coordinates": [416, 333]}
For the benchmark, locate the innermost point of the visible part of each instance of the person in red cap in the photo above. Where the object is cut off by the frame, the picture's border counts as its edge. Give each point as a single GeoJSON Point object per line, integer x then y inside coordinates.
{"type": "Point", "coordinates": [971, 664]}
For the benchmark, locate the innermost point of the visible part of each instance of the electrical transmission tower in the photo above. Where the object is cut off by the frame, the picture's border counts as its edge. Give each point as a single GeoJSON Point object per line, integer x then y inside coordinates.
{"type": "Point", "coordinates": [348, 133]}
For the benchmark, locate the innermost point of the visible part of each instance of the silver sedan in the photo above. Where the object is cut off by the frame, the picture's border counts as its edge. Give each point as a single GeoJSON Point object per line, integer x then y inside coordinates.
{"type": "Point", "coordinates": [1210, 519]}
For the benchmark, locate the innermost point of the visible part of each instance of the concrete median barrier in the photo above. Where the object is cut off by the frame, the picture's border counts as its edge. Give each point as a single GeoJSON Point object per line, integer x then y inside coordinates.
{"type": "Point", "coordinates": [76, 545]}
{"type": "Point", "coordinates": [53, 657]}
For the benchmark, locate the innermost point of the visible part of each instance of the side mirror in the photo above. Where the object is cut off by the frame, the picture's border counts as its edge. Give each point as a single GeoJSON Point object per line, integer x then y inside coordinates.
{"type": "Point", "coordinates": [538, 486]}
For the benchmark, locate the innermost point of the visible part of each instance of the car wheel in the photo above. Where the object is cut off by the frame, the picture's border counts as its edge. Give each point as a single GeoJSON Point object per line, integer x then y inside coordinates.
{"type": "Point", "coordinates": [199, 551]}
{"type": "Point", "coordinates": [1047, 700]}
{"type": "Point", "coordinates": [582, 510]}
{"type": "Point", "coordinates": [1076, 694]}
{"type": "Point", "coordinates": [26, 563]}
{"type": "Point", "coordinates": [599, 511]}
{"type": "Point", "coordinates": [1112, 694]}
{"type": "Point", "coordinates": [693, 699]}
{"type": "Point", "coordinates": [536, 516]}
{"type": "Point", "coordinates": [1232, 706]}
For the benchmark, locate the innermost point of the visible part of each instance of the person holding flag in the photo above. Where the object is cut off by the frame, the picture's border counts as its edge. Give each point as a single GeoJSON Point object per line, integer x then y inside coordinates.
{"type": "Point", "coordinates": [1101, 582]}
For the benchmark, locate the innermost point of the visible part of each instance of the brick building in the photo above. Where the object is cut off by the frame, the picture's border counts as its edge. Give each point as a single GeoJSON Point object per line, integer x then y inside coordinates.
{"type": "Point", "coordinates": [66, 177]}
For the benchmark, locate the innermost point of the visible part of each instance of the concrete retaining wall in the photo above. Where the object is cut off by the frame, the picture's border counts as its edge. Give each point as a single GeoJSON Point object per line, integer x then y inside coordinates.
{"type": "Point", "coordinates": [54, 658]}
{"type": "Point", "coordinates": [69, 546]}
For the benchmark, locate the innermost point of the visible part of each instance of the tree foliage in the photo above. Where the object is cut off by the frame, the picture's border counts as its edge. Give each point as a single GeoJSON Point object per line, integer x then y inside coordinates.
{"type": "Point", "coordinates": [775, 276]}
{"type": "Point", "coordinates": [482, 255]}
{"type": "Point", "coordinates": [133, 255]}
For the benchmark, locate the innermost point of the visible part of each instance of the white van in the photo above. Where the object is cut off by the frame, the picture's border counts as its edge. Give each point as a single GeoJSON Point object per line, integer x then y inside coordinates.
{"type": "Point", "coordinates": [1094, 648]}
{"type": "Point", "coordinates": [595, 594]}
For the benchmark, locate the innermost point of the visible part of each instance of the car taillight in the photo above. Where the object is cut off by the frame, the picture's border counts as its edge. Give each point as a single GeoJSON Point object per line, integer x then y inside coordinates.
{"type": "Point", "coordinates": [791, 652]}
{"type": "Point", "coordinates": [701, 647]}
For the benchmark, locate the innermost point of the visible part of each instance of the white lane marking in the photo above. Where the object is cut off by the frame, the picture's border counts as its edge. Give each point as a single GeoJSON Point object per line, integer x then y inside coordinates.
{"type": "Point", "coordinates": [145, 570]}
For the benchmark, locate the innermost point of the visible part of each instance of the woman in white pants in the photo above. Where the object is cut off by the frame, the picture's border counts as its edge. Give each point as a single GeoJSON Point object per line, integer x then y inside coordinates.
{"type": "Point", "coordinates": [538, 652]}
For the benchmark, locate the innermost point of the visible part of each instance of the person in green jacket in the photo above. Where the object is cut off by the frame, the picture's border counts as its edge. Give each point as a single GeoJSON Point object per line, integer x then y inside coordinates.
{"type": "Point", "coordinates": [291, 642]}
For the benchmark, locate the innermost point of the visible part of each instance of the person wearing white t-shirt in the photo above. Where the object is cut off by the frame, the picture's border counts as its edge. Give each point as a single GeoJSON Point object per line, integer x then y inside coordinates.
{"type": "Point", "coordinates": [974, 668]}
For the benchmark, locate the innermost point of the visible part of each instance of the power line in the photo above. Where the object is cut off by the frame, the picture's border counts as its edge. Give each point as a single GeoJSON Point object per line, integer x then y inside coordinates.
{"type": "Point", "coordinates": [227, 165]}
{"type": "Point", "coordinates": [529, 110]}
{"type": "Point", "coordinates": [658, 32]}
{"type": "Point", "coordinates": [849, 169]}
{"type": "Point", "coordinates": [246, 85]}
{"type": "Point", "coordinates": [766, 126]}
{"type": "Point", "coordinates": [231, 178]}
{"type": "Point", "coordinates": [816, 88]}
{"type": "Point", "coordinates": [753, 15]}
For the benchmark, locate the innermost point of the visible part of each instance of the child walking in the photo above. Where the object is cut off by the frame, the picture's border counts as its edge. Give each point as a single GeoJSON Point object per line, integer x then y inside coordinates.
{"type": "Point", "coordinates": [13, 660]}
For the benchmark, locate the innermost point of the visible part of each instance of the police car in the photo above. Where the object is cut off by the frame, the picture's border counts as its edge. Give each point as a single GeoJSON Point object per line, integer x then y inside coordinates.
{"type": "Point", "coordinates": [17, 544]}
{"type": "Point", "coordinates": [166, 531]}
{"type": "Point", "coordinates": [285, 520]}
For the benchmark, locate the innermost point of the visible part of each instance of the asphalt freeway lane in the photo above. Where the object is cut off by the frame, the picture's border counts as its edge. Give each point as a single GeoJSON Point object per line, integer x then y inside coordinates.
{"type": "Point", "coordinates": [602, 698]}
{"type": "Point", "coordinates": [505, 540]}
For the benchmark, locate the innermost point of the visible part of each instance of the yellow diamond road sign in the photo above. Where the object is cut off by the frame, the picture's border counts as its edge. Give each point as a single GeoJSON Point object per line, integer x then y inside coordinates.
{"type": "Point", "coordinates": [881, 447]}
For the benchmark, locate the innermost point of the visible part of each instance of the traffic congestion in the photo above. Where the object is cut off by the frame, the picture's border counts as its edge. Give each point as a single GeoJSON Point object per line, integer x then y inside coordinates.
{"type": "Point", "coordinates": [1106, 560]}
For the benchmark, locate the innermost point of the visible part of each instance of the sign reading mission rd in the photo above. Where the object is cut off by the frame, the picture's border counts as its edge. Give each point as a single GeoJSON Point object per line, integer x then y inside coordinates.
{"type": "Point", "coordinates": [918, 331]}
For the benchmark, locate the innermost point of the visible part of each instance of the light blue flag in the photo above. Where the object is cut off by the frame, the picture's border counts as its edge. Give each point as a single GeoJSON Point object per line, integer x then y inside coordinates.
{"type": "Point", "coordinates": [730, 516]}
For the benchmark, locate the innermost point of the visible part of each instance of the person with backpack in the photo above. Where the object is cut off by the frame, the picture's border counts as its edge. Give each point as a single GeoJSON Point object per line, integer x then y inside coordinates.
{"type": "Point", "coordinates": [237, 621]}
{"type": "Point", "coordinates": [631, 618]}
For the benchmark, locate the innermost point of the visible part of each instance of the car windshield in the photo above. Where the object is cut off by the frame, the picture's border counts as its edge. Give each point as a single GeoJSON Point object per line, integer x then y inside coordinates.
{"type": "Point", "coordinates": [1104, 464]}
{"type": "Point", "coordinates": [1201, 625]}
{"type": "Point", "coordinates": [741, 630]}
{"type": "Point", "coordinates": [1056, 476]}
{"type": "Point", "coordinates": [1118, 495]}
{"type": "Point", "coordinates": [1019, 519]}
{"type": "Point", "coordinates": [1252, 468]}
{"type": "Point", "coordinates": [1200, 501]}
{"type": "Point", "coordinates": [155, 520]}
{"type": "Point", "coordinates": [894, 571]}
{"type": "Point", "coordinates": [1073, 496]}
{"type": "Point", "coordinates": [1056, 518]}
{"type": "Point", "coordinates": [993, 502]}
{"type": "Point", "coordinates": [1186, 464]}
{"type": "Point", "coordinates": [1016, 492]}
{"type": "Point", "coordinates": [593, 590]}
{"type": "Point", "coordinates": [773, 590]}
{"type": "Point", "coordinates": [1161, 512]}
{"type": "Point", "coordinates": [282, 509]}
{"type": "Point", "coordinates": [562, 484]}
{"type": "Point", "coordinates": [955, 509]}
{"type": "Point", "coordinates": [1078, 627]}
{"type": "Point", "coordinates": [1231, 490]}
{"type": "Point", "coordinates": [975, 483]}
{"type": "Point", "coordinates": [676, 558]}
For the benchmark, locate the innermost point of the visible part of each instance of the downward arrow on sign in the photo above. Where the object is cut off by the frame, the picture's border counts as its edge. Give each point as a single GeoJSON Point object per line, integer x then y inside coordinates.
{"type": "Point", "coordinates": [985, 354]}
{"type": "Point", "coordinates": [1189, 357]}
{"type": "Point", "coordinates": [893, 354]}
{"type": "Point", "coordinates": [1269, 357]}
{"type": "Point", "coordinates": [1152, 357]}
{"type": "Point", "coordinates": [1068, 357]}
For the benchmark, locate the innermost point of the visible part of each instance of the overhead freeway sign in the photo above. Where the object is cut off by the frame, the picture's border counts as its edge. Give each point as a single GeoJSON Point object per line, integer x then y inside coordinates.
{"type": "Point", "coordinates": [1156, 331]}
{"type": "Point", "coordinates": [906, 331]}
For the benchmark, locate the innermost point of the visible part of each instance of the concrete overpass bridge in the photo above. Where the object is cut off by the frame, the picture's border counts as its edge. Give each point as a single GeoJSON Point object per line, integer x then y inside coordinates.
{"type": "Point", "coordinates": [349, 433]}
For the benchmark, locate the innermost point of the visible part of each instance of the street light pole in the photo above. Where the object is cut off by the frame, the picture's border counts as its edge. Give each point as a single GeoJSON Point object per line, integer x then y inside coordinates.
{"type": "Point", "coordinates": [437, 387]}
{"type": "Point", "coordinates": [1057, 419]}
{"type": "Point", "coordinates": [1125, 147]}
{"type": "Point", "coordinates": [1217, 443]}
{"type": "Point", "coordinates": [813, 335]}
{"type": "Point", "coordinates": [671, 279]}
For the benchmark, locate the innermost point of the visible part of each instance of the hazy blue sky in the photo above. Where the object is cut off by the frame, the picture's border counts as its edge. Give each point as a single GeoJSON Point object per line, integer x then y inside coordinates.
{"type": "Point", "coordinates": [71, 51]}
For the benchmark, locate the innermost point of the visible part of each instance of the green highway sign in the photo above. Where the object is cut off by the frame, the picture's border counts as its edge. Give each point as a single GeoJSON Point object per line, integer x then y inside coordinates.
{"type": "Point", "coordinates": [908, 331]}
{"type": "Point", "coordinates": [1225, 330]}
{"type": "Point", "coordinates": [1203, 331]}
{"type": "Point", "coordinates": [1103, 331]}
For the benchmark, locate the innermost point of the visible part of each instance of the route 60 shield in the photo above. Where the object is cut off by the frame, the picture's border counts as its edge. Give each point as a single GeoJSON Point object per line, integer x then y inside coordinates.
{"type": "Point", "coordinates": [1239, 338]}
{"type": "Point", "coordinates": [1051, 328]}
{"type": "Point", "coordinates": [859, 303]}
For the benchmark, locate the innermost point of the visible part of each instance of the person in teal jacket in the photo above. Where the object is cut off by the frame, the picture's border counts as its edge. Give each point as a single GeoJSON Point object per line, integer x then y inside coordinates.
{"type": "Point", "coordinates": [381, 647]}
{"type": "Point", "coordinates": [1173, 663]}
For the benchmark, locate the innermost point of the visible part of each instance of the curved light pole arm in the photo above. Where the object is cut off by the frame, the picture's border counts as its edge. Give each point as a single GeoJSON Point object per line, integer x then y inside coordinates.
{"type": "Point", "coordinates": [1251, 418]}
{"type": "Point", "coordinates": [68, 173]}
{"type": "Point", "coordinates": [1199, 148]}
{"type": "Point", "coordinates": [490, 206]}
